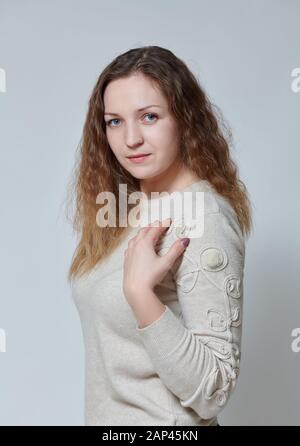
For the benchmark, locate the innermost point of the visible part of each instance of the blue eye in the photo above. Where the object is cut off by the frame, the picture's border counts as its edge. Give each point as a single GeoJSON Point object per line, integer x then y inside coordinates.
{"type": "Point", "coordinates": [151, 114]}
{"type": "Point", "coordinates": [111, 120]}
{"type": "Point", "coordinates": [115, 119]}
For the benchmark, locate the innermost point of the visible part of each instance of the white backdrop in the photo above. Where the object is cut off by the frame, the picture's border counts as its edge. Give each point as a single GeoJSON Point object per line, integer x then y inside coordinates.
{"type": "Point", "coordinates": [246, 55]}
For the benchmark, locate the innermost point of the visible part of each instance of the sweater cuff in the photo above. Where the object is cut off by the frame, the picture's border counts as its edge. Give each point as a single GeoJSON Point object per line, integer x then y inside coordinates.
{"type": "Point", "coordinates": [164, 335]}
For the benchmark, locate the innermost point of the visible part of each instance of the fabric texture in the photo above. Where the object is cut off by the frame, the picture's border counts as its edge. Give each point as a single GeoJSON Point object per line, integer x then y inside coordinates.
{"type": "Point", "coordinates": [182, 368]}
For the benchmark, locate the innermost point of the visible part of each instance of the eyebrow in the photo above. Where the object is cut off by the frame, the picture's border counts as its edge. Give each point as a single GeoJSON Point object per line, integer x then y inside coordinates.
{"type": "Point", "coordinates": [140, 109]}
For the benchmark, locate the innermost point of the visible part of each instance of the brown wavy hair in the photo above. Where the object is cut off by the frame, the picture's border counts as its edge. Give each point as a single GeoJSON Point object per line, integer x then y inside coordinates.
{"type": "Point", "coordinates": [204, 148]}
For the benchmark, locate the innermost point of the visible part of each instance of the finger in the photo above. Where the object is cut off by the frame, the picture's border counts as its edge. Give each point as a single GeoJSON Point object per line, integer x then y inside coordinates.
{"type": "Point", "coordinates": [157, 223]}
{"type": "Point", "coordinates": [143, 231]}
{"type": "Point", "coordinates": [176, 250]}
{"type": "Point", "coordinates": [158, 228]}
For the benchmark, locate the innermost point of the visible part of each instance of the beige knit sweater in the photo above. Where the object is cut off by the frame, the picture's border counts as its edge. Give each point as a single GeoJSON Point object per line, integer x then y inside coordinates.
{"type": "Point", "coordinates": [181, 369]}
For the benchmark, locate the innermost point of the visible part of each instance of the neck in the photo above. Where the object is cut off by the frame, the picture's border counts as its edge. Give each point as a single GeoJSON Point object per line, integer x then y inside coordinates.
{"type": "Point", "coordinates": [177, 178]}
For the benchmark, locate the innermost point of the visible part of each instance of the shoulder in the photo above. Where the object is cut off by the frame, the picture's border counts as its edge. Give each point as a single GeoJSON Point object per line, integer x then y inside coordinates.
{"type": "Point", "coordinates": [205, 212]}
{"type": "Point", "coordinates": [215, 235]}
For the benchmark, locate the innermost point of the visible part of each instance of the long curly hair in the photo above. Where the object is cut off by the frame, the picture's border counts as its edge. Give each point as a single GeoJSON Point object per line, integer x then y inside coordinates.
{"type": "Point", "coordinates": [204, 148]}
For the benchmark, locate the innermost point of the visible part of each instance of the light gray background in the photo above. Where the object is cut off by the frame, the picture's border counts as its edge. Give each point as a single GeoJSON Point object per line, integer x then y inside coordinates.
{"type": "Point", "coordinates": [243, 53]}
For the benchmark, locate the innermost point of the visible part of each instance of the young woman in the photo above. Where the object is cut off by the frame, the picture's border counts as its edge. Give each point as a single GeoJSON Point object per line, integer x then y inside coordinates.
{"type": "Point", "coordinates": [160, 302]}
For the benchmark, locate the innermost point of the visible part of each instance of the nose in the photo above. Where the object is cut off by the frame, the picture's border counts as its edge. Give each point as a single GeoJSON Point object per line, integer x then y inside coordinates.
{"type": "Point", "coordinates": [133, 136]}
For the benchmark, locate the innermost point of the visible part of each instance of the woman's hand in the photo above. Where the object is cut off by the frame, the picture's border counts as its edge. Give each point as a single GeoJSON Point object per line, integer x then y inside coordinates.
{"type": "Point", "coordinates": [143, 268]}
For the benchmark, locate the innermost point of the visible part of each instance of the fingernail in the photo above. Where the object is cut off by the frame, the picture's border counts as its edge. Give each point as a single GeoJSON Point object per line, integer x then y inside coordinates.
{"type": "Point", "coordinates": [185, 241]}
{"type": "Point", "coordinates": [168, 221]}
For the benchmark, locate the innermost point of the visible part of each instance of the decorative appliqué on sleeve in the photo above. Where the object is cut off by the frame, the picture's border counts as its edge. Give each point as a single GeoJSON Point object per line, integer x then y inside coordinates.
{"type": "Point", "coordinates": [216, 289]}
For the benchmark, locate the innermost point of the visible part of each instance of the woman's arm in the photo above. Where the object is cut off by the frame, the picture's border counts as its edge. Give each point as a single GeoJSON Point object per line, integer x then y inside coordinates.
{"type": "Point", "coordinates": [198, 357]}
{"type": "Point", "coordinates": [148, 309]}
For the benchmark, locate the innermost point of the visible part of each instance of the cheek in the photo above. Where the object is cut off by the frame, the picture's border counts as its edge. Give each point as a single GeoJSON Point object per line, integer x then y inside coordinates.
{"type": "Point", "coordinates": [114, 143]}
{"type": "Point", "coordinates": [164, 134]}
{"type": "Point", "coordinates": [111, 137]}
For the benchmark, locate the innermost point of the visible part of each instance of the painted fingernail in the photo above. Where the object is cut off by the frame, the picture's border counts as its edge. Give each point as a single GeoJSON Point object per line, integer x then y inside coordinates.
{"type": "Point", "coordinates": [185, 241]}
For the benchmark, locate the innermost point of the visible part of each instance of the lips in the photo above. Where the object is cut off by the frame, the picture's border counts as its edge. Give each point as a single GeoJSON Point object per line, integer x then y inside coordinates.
{"type": "Point", "coordinates": [139, 155]}
{"type": "Point", "coordinates": [140, 158]}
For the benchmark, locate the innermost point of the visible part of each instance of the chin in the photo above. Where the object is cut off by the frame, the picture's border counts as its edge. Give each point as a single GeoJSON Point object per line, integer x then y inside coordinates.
{"type": "Point", "coordinates": [142, 175]}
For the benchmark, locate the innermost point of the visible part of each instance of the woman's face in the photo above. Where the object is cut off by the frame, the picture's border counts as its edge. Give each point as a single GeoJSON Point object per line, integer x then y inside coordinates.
{"type": "Point", "coordinates": [131, 131]}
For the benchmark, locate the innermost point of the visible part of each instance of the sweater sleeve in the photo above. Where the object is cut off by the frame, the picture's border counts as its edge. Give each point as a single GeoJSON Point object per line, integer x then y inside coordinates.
{"type": "Point", "coordinates": [197, 355]}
